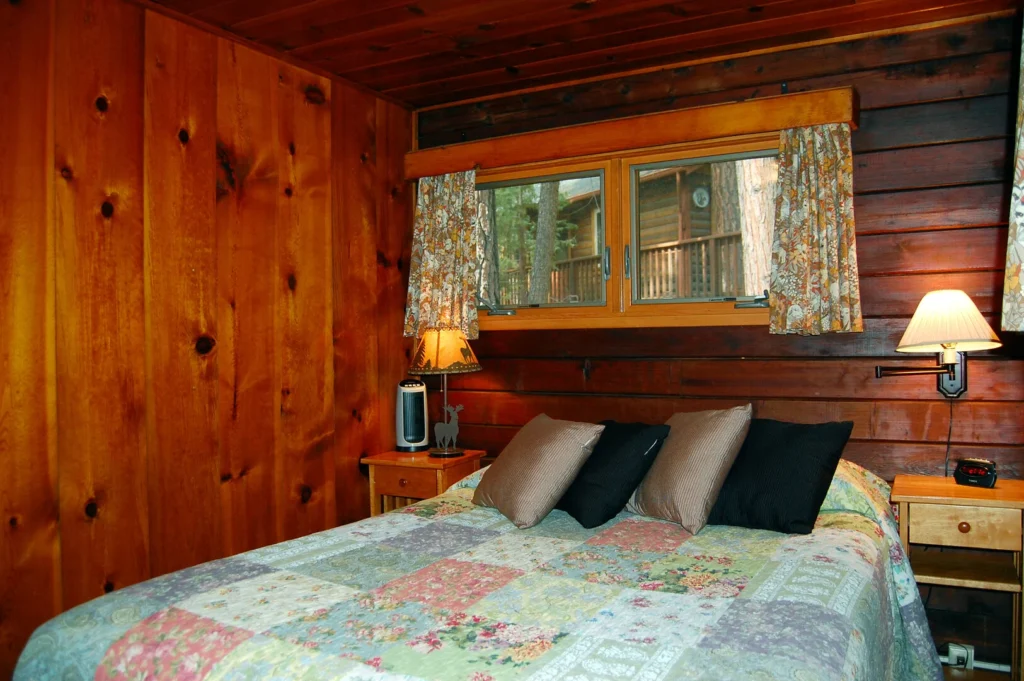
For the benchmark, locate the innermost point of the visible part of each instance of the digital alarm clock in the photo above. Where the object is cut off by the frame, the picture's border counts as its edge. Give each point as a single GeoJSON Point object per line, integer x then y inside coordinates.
{"type": "Point", "coordinates": [975, 472]}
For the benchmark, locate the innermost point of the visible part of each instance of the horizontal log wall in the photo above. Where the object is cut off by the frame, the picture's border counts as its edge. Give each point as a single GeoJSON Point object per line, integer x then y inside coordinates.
{"type": "Point", "coordinates": [932, 158]}
{"type": "Point", "coordinates": [173, 325]}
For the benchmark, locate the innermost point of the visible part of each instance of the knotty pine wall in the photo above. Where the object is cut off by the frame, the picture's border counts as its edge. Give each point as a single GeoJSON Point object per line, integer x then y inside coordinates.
{"type": "Point", "coordinates": [932, 160]}
{"type": "Point", "coordinates": [185, 370]}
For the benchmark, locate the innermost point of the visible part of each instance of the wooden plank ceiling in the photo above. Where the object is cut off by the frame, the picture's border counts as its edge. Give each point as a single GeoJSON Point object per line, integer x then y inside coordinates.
{"type": "Point", "coordinates": [431, 52]}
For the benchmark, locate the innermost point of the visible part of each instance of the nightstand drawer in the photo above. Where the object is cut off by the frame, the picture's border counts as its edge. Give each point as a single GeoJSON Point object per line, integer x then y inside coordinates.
{"type": "Point", "coordinates": [418, 483]}
{"type": "Point", "coordinates": [966, 526]}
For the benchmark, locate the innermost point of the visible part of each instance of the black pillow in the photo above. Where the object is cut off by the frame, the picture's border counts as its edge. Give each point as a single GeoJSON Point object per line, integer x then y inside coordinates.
{"type": "Point", "coordinates": [781, 476]}
{"type": "Point", "coordinates": [612, 472]}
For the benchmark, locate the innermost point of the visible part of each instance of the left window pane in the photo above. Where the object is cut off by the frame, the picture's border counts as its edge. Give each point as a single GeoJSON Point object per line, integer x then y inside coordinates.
{"type": "Point", "coordinates": [546, 243]}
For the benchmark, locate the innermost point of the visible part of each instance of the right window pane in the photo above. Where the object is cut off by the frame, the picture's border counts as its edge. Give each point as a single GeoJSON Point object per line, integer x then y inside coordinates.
{"type": "Point", "coordinates": [702, 229]}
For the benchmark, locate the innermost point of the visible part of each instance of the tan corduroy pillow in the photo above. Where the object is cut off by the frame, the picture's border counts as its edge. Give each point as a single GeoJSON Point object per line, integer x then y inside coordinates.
{"type": "Point", "coordinates": [691, 467]}
{"type": "Point", "coordinates": [536, 468]}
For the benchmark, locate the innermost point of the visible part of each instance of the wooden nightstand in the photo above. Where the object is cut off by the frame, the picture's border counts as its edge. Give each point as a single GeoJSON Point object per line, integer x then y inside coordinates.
{"type": "Point", "coordinates": [398, 479]}
{"type": "Point", "coordinates": [938, 512]}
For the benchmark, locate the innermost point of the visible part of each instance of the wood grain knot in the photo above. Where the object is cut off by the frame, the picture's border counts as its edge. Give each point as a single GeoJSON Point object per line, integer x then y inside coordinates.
{"type": "Point", "coordinates": [102, 104]}
{"type": "Point", "coordinates": [91, 509]}
{"type": "Point", "coordinates": [288, 191]}
{"type": "Point", "coordinates": [205, 344]}
{"type": "Point", "coordinates": [364, 157]}
{"type": "Point", "coordinates": [107, 210]}
{"type": "Point", "coordinates": [226, 477]}
{"type": "Point", "coordinates": [66, 173]}
{"type": "Point", "coordinates": [394, 192]}
{"type": "Point", "coordinates": [13, 522]}
{"type": "Point", "coordinates": [305, 493]}
{"type": "Point", "coordinates": [227, 162]}
{"type": "Point", "coordinates": [314, 95]}
{"type": "Point", "coordinates": [955, 41]}
{"type": "Point", "coordinates": [108, 586]}
{"type": "Point", "coordinates": [964, 527]}
{"type": "Point", "coordinates": [512, 70]}
{"type": "Point", "coordinates": [291, 148]}
{"type": "Point", "coordinates": [292, 282]}
{"type": "Point", "coordinates": [183, 136]}
{"type": "Point", "coordinates": [357, 416]}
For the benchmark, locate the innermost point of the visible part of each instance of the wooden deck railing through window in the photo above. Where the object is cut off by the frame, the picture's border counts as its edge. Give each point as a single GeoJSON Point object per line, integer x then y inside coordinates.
{"type": "Point", "coordinates": [577, 280]}
{"type": "Point", "coordinates": [702, 267]}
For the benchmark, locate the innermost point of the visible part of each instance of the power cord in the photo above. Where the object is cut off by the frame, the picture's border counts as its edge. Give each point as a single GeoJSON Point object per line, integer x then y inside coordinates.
{"type": "Point", "coordinates": [949, 437]}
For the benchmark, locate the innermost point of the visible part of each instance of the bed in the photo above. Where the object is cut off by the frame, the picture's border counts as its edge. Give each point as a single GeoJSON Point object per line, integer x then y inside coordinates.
{"type": "Point", "coordinates": [444, 589]}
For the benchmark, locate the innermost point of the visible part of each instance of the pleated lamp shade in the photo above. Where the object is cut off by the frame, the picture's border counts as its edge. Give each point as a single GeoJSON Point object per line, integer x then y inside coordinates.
{"type": "Point", "coordinates": [948, 322]}
{"type": "Point", "coordinates": [444, 351]}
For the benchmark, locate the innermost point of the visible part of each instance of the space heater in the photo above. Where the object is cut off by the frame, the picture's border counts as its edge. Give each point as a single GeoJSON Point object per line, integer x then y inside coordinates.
{"type": "Point", "coordinates": [411, 416]}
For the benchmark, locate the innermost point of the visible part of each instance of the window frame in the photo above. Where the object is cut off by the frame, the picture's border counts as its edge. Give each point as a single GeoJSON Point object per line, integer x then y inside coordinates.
{"type": "Point", "coordinates": [619, 310]}
{"type": "Point", "coordinates": [683, 312]}
{"type": "Point", "coordinates": [563, 316]}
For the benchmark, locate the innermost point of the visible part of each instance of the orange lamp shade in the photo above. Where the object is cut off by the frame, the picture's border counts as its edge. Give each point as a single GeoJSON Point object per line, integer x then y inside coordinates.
{"type": "Point", "coordinates": [444, 351]}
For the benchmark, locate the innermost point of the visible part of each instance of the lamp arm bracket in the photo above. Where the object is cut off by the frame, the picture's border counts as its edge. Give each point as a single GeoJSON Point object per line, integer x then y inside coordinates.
{"type": "Point", "coordinates": [882, 372]}
{"type": "Point", "coordinates": [951, 379]}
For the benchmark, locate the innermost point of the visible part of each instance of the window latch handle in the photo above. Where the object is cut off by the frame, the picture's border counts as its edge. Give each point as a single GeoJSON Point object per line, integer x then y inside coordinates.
{"type": "Point", "coordinates": [756, 301]}
{"type": "Point", "coordinates": [607, 263]}
{"type": "Point", "coordinates": [629, 263]}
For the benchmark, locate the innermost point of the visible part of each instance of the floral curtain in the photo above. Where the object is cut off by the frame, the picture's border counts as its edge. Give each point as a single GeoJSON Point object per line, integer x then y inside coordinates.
{"type": "Point", "coordinates": [446, 250]}
{"type": "Point", "coordinates": [1013, 284]}
{"type": "Point", "coordinates": [815, 288]}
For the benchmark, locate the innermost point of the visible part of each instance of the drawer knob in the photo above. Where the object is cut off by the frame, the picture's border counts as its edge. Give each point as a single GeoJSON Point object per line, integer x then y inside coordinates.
{"type": "Point", "coordinates": [964, 527]}
{"type": "Point", "coordinates": [402, 482]}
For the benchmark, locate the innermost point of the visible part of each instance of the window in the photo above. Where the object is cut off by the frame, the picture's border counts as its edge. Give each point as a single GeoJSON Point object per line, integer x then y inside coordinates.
{"type": "Point", "coordinates": [672, 238]}
{"type": "Point", "coordinates": [702, 228]}
{"type": "Point", "coordinates": [546, 246]}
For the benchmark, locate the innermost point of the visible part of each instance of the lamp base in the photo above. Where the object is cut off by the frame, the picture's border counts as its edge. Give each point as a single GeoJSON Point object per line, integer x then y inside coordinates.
{"type": "Point", "coordinates": [446, 453]}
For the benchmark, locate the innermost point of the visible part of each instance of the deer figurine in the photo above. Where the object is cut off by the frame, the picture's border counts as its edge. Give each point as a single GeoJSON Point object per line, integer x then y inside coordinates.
{"type": "Point", "coordinates": [446, 433]}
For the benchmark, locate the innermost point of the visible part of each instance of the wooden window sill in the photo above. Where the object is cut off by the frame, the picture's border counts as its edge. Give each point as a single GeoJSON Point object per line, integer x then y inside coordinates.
{"type": "Point", "coordinates": [725, 315]}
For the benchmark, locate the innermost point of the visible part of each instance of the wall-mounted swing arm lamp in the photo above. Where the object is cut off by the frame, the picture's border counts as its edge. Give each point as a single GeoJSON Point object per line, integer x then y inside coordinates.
{"type": "Point", "coordinates": [949, 324]}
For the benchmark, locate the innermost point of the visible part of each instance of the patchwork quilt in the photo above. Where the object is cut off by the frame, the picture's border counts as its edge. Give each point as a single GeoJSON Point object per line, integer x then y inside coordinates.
{"type": "Point", "coordinates": [447, 590]}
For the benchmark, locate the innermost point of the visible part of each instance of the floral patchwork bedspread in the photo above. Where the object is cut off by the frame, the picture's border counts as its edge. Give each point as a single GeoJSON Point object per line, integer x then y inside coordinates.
{"type": "Point", "coordinates": [447, 590]}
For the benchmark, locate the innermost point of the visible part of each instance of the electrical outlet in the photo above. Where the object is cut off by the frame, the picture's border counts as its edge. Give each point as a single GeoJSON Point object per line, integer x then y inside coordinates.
{"type": "Point", "coordinates": [970, 657]}
{"type": "Point", "coordinates": [958, 655]}
{"type": "Point", "coordinates": [961, 655]}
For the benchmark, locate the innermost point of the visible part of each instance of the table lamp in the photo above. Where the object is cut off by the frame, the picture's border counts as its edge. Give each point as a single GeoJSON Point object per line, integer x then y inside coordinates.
{"type": "Point", "coordinates": [442, 352]}
{"type": "Point", "coordinates": [948, 323]}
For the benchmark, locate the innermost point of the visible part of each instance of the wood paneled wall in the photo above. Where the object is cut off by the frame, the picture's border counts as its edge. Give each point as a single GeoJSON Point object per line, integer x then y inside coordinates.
{"type": "Point", "coordinates": [931, 178]}
{"type": "Point", "coordinates": [202, 267]}
{"type": "Point", "coordinates": [932, 174]}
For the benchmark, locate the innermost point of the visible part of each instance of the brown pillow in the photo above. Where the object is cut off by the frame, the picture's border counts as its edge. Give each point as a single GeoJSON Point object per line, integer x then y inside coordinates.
{"type": "Point", "coordinates": [691, 467]}
{"type": "Point", "coordinates": [536, 468]}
